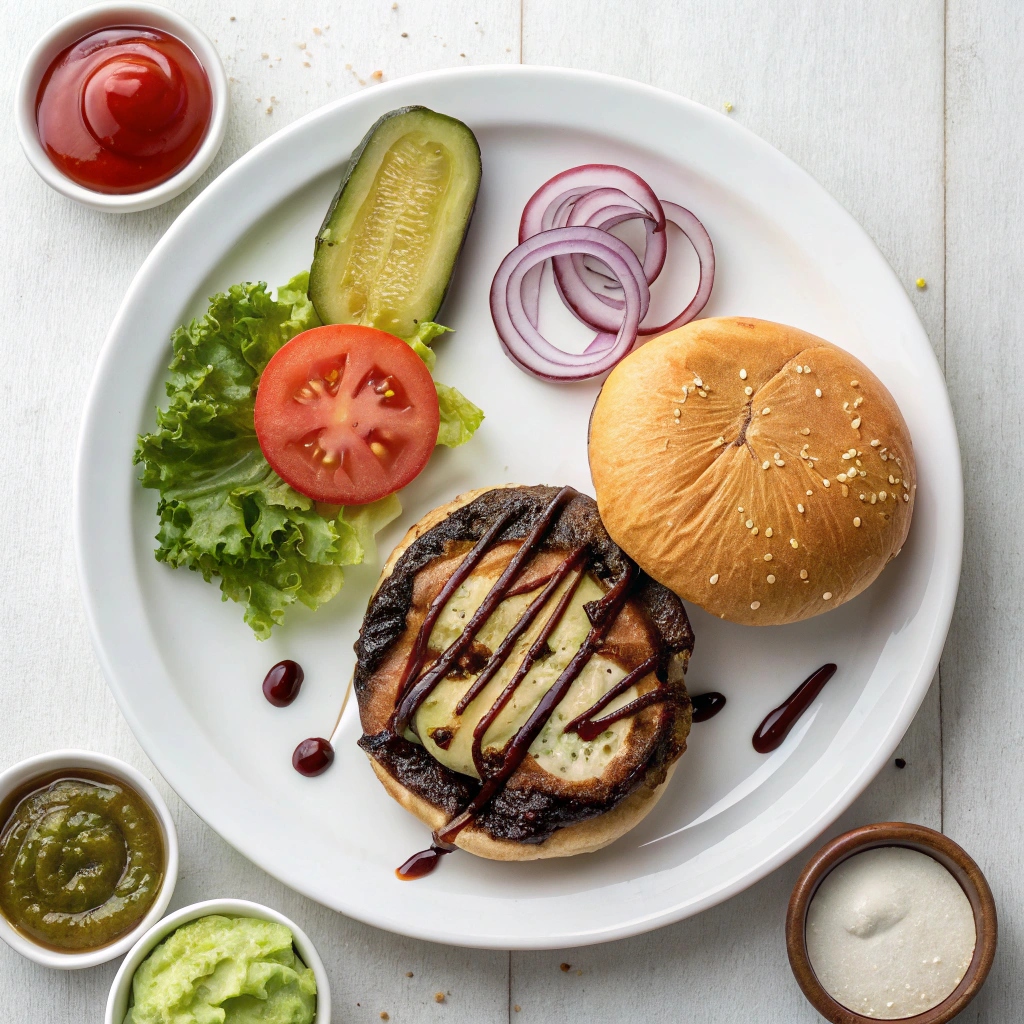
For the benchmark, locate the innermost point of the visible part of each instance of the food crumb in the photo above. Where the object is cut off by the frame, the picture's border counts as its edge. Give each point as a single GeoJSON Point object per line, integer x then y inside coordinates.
{"type": "Point", "coordinates": [306, 64]}
{"type": "Point", "coordinates": [317, 31]}
{"type": "Point", "coordinates": [579, 972]}
{"type": "Point", "coordinates": [384, 1015]}
{"type": "Point", "coordinates": [517, 1008]}
{"type": "Point", "coordinates": [405, 35]}
{"type": "Point", "coordinates": [270, 110]}
{"type": "Point", "coordinates": [462, 55]}
{"type": "Point", "coordinates": [377, 75]}
{"type": "Point", "coordinates": [232, 18]}
{"type": "Point", "coordinates": [565, 968]}
{"type": "Point", "coordinates": [394, 7]}
{"type": "Point", "coordinates": [728, 107]}
{"type": "Point", "coordinates": [438, 997]}
{"type": "Point", "coordinates": [265, 56]}
{"type": "Point", "coordinates": [408, 974]}
{"type": "Point", "coordinates": [921, 283]}
{"type": "Point", "coordinates": [900, 763]}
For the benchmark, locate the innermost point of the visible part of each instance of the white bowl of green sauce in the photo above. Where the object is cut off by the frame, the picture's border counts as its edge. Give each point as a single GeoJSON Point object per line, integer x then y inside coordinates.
{"type": "Point", "coordinates": [122, 991]}
{"type": "Point", "coordinates": [73, 857]}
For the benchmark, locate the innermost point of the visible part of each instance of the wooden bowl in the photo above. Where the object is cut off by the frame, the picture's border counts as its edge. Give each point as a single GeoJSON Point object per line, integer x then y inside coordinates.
{"type": "Point", "coordinates": [915, 837]}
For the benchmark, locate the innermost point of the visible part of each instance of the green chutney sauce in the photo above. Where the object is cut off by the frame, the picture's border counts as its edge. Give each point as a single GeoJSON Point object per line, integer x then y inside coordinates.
{"type": "Point", "coordinates": [81, 860]}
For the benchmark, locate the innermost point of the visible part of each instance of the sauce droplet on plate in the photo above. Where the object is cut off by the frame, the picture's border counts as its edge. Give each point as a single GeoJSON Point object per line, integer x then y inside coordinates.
{"type": "Point", "coordinates": [282, 683]}
{"type": "Point", "coordinates": [777, 723]}
{"type": "Point", "coordinates": [420, 864]}
{"type": "Point", "coordinates": [707, 705]}
{"type": "Point", "coordinates": [313, 756]}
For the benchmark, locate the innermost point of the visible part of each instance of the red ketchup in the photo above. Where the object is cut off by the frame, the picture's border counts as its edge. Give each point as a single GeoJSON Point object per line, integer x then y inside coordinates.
{"type": "Point", "coordinates": [123, 109]}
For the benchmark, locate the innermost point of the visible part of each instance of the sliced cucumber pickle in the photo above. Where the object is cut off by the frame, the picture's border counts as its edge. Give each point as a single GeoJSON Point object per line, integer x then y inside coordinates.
{"type": "Point", "coordinates": [387, 248]}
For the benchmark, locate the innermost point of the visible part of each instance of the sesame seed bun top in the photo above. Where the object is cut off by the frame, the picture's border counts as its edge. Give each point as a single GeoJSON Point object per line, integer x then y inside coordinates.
{"type": "Point", "coordinates": [754, 469]}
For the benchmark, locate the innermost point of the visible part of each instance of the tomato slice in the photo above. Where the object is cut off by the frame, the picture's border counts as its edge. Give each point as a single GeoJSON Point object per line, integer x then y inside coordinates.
{"type": "Point", "coordinates": [346, 414]}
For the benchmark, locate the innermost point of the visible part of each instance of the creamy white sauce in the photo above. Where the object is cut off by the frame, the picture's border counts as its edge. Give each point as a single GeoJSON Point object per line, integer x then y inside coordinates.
{"type": "Point", "coordinates": [890, 933]}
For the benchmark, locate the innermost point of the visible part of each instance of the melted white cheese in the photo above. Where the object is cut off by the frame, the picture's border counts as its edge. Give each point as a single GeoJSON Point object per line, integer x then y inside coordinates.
{"type": "Point", "coordinates": [562, 754]}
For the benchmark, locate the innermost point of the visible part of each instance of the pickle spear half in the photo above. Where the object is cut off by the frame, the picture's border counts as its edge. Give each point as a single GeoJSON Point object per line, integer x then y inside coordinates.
{"type": "Point", "coordinates": [387, 248]}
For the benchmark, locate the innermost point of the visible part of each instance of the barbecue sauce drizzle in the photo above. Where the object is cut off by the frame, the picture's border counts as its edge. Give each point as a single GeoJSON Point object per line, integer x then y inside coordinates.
{"type": "Point", "coordinates": [415, 688]}
{"type": "Point", "coordinates": [777, 723]}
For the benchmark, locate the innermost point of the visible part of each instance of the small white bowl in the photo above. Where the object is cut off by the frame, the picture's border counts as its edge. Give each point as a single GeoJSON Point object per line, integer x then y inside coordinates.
{"type": "Point", "coordinates": [73, 28]}
{"type": "Point", "coordinates": [120, 990]}
{"type": "Point", "coordinates": [60, 760]}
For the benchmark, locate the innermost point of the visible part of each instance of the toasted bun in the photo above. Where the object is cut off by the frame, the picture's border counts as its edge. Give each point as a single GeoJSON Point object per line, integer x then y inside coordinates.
{"type": "Point", "coordinates": [584, 837]}
{"type": "Point", "coordinates": [747, 504]}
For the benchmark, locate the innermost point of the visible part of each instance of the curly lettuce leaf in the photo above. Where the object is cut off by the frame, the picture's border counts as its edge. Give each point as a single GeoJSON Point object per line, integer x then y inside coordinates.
{"type": "Point", "coordinates": [223, 511]}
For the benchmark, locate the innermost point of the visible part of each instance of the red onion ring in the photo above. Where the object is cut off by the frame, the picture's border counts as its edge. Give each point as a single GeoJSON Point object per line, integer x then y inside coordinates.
{"type": "Point", "coordinates": [568, 221]}
{"type": "Point", "coordinates": [523, 343]}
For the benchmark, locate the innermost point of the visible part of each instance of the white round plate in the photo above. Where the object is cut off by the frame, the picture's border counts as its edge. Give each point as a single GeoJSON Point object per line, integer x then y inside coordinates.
{"type": "Point", "coordinates": [187, 671]}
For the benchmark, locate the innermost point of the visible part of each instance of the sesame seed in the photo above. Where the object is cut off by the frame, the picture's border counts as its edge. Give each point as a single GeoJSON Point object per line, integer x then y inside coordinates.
{"type": "Point", "coordinates": [906, 497]}
{"type": "Point", "coordinates": [779, 462]}
{"type": "Point", "coordinates": [854, 383]}
{"type": "Point", "coordinates": [766, 410]}
{"type": "Point", "coordinates": [863, 497]}
{"type": "Point", "coordinates": [793, 543]}
{"type": "Point", "coordinates": [805, 431]}
{"type": "Point", "coordinates": [754, 605]}
{"type": "Point", "coordinates": [809, 493]}
{"type": "Point", "coordinates": [892, 479]}
{"type": "Point", "coordinates": [856, 423]}
{"type": "Point", "coordinates": [748, 391]}
{"type": "Point", "coordinates": [803, 574]}
{"type": "Point", "coordinates": [856, 520]}
{"type": "Point", "coordinates": [770, 578]}
{"type": "Point", "coordinates": [698, 382]}
{"type": "Point", "coordinates": [841, 478]}
{"type": "Point", "coordinates": [739, 508]}
{"type": "Point", "coordinates": [882, 495]}
{"type": "Point", "coordinates": [768, 557]}
{"type": "Point", "coordinates": [807, 369]}
{"type": "Point", "coordinates": [720, 441]}
{"type": "Point", "coordinates": [754, 532]}
{"type": "Point", "coordinates": [750, 523]}
{"type": "Point", "coordinates": [702, 393]}
{"type": "Point", "coordinates": [676, 412]}
{"type": "Point", "coordinates": [803, 454]}
{"type": "Point", "coordinates": [875, 443]}
{"type": "Point", "coordinates": [768, 532]}
{"type": "Point", "coordinates": [799, 368]}
{"type": "Point", "coordinates": [846, 406]}
{"type": "Point", "coordinates": [826, 483]}
{"type": "Point", "coordinates": [873, 499]}
{"type": "Point", "coordinates": [766, 464]}
{"type": "Point", "coordinates": [827, 596]}
{"type": "Point", "coordinates": [817, 391]}
{"type": "Point", "coordinates": [800, 508]}
{"type": "Point", "coordinates": [743, 374]}
{"type": "Point", "coordinates": [846, 490]}
{"type": "Point", "coordinates": [714, 579]}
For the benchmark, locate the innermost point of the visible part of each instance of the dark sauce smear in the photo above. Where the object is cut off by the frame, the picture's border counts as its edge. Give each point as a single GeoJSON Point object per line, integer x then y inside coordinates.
{"type": "Point", "coordinates": [421, 864]}
{"type": "Point", "coordinates": [415, 688]}
{"type": "Point", "coordinates": [313, 756]}
{"type": "Point", "coordinates": [777, 723]}
{"type": "Point", "coordinates": [707, 705]}
{"type": "Point", "coordinates": [282, 683]}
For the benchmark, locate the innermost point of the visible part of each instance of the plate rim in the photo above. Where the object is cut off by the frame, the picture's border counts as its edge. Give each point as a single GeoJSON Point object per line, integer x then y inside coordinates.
{"type": "Point", "coordinates": [640, 922]}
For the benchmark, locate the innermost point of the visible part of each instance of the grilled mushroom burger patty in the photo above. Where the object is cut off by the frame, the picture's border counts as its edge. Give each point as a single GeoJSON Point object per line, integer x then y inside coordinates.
{"type": "Point", "coordinates": [520, 681]}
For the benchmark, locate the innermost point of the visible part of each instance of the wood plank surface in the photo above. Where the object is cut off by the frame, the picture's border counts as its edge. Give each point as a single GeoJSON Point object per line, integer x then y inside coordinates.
{"type": "Point", "coordinates": [67, 268]}
{"type": "Point", "coordinates": [857, 91]}
{"type": "Point", "coordinates": [982, 710]}
{"type": "Point", "coordinates": [852, 91]}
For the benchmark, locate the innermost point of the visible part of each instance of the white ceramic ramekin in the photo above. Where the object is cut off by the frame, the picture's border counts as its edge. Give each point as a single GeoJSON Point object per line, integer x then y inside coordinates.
{"type": "Point", "coordinates": [74, 27]}
{"type": "Point", "coordinates": [60, 760]}
{"type": "Point", "coordinates": [120, 990]}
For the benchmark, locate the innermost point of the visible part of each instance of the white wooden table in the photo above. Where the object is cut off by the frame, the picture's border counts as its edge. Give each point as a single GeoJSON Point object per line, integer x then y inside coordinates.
{"type": "Point", "coordinates": [908, 111]}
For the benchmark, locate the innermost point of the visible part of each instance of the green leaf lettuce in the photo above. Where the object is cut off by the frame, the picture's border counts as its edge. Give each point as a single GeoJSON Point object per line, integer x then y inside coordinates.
{"type": "Point", "coordinates": [223, 511]}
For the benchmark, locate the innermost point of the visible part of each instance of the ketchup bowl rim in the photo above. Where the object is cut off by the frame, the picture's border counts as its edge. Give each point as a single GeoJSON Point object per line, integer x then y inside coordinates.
{"type": "Point", "coordinates": [120, 988]}
{"type": "Point", "coordinates": [41, 765]}
{"type": "Point", "coordinates": [91, 19]}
